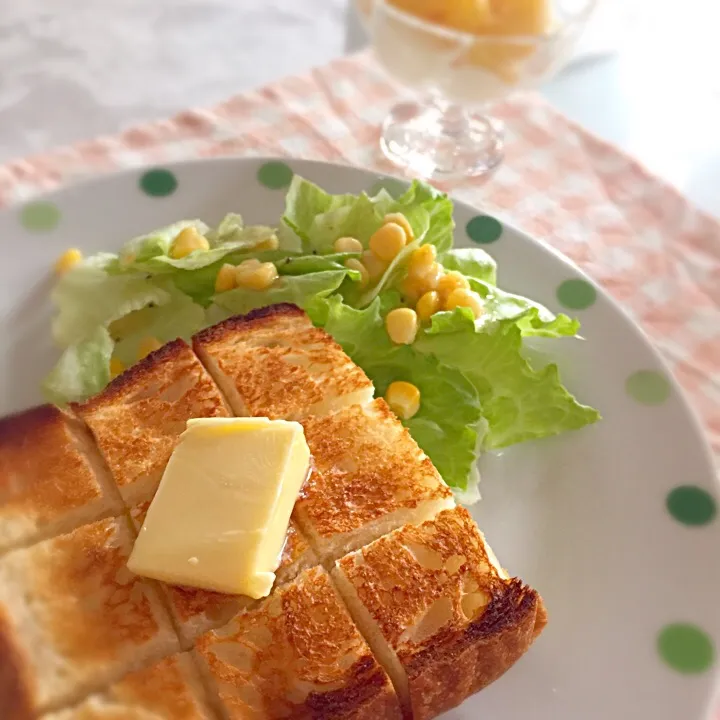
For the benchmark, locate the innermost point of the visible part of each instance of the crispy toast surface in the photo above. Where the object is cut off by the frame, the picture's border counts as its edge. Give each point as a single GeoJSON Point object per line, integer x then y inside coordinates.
{"type": "Point", "coordinates": [298, 654]}
{"type": "Point", "coordinates": [369, 477]}
{"type": "Point", "coordinates": [426, 606]}
{"type": "Point", "coordinates": [437, 611]}
{"type": "Point", "coordinates": [274, 363]}
{"type": "Point", "coordinates": [168, 690]}
{"type": "Point", "coordinates": [52, 478]}
{"type": "Point", "coordinates": [75, 618]}
{"type": "Point", "coordinates": [139, 416]}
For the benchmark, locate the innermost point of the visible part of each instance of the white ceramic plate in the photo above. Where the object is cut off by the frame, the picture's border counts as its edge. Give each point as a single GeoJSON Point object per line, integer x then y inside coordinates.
{"type": "Point", "coordinates": [615, 525]}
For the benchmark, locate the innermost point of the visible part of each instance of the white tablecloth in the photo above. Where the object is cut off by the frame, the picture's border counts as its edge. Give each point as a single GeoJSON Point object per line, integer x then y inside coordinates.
{"type": "Point", "coordinates": [71, 69]}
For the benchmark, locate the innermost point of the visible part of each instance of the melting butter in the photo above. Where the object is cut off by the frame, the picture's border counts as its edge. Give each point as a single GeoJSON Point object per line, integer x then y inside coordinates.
{"type": "Point", "coordinates": [220, 516]}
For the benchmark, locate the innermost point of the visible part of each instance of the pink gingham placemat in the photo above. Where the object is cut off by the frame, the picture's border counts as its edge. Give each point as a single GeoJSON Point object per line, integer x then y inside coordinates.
{"type": "Point", "coordinates": [639, 238]}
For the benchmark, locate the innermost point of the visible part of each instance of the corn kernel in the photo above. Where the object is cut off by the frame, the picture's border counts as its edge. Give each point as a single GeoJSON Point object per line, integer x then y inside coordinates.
{"type": "Point", "coordinates": [403, 399]}
{"type": "Point", "coordinates": [148, 345]}
{"type": "Point", "coordinates": [430, 280]}
{"type": "Point", "coordinates": [402, 221]}
{"type": "Point", "coordinates": [428, 305]}
{"type": "Point", "coordinates": [355, 264]}
{"type": "Point", "coordinates": [462, 297]}
{"type": "Point", "coordinates": [225, 279]}
{"type": "Point", "coordinates": [422, 261]}
{"type": "Point", "coordinates": [255, 277]}
{"type": "Point", "coordinates": [187, 241]}
{"type": "Point", "coordinates": [249, 264]}
{"type": "Point", "coordinates": [116, 368]}
{"type": "Point", "coordinates": [402, 325]}
{"type": "Point", "coordinates": [374, 265]}
{"type": "Point", "coordinates": [348, 244]}
{"type": "Point", "coordinates": [272, 243]}
{"type": "Point", "coordinates": [388, 241]}
{"type": "Point", "coordinates": [451, 281]}
{"type": "Point", "coordinates": [411, 290]}
{"type": "Point", "coordinates": [68, 260]}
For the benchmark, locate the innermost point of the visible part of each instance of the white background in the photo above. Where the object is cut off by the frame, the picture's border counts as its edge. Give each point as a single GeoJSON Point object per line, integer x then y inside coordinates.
{"type": "Point", "coordinates": [70, 69]}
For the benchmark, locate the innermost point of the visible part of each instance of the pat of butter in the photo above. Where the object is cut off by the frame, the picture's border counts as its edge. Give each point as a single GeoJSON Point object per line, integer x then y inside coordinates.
{"type": "Point", "coordinates": [220, 516]}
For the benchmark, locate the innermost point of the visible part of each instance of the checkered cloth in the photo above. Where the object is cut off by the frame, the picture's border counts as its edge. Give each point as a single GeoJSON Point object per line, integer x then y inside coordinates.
{"type": "Point", "coordinates": [654, 252]}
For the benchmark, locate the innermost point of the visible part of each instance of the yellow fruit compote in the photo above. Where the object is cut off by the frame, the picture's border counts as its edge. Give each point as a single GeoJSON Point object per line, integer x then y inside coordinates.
{"type": "Point", "coordinates": [509, 35]}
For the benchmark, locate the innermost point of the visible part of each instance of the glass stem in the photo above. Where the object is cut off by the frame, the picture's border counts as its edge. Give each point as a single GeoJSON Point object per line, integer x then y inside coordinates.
{"type": "Point", "coordinates": [455, 122]}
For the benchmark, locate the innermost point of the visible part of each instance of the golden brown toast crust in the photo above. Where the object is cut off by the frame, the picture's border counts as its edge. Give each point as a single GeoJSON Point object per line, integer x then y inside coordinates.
{"type": "Point", "coordinates": [298, 654]}
{"type": "Point", "coordinates": [47, 476]}
{"type": "Point", "coordinates": [453, 622]}
{"type": "Point", "coordinates": [138, 418]}
{"type": "Point", "coordinates": [278, 363]}
{"type": "Point", "coordinates": [260, 316]}
{"type": "Point", "coordinates": [366, 466]}
{"type": "Point", "coordinates": [445, 674]}
{"type": "Point", "coordinates": [16, 689]}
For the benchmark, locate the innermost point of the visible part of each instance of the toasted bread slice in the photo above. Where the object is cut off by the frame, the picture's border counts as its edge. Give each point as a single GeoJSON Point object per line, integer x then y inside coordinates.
{"type": "Point", "coordinates": [74, 618]}
{"type": "Point", "coordinates": [297, 655]}
{"type": "Point", "coordinates": [274, 363]}
{"type": "Point", "coordinates": [168, 690]}
{"type": "Point", "coordinates": [196, 611]}
{"type": "Point", "coordinates": [437, 611]}
{"type": "Point", "coordinates": [52, 478]}
{"type": "Point", "coordinates": [369, 477]}
{"type": "Point", "coordinates": [139, 416]}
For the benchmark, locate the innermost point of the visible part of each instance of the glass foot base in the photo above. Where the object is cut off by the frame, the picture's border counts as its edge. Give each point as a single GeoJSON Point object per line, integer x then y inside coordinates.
{"type": "Point", "coordinates": [441, 143]}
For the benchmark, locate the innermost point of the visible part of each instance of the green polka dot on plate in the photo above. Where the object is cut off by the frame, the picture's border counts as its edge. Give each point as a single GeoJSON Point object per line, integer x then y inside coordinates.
{"type": "Point", "coordinates": [275, 175]}
{"type": "Point", "coordinates": [686, 648]}
{"type": "Point", "coordinates": [576, 294]}
{"type": "Point", "coordinates": [691, 505]}
{"type": "Point", "coordinates": [158, 182]}
{"type": "Point", "coordinates": [40, 216]}
{"type": "Point", "coordinates": [648, 387]}
{"type": "Point", "coordinates": [484, 229]}
{"type": "Point", "coordinates": [395, 187]}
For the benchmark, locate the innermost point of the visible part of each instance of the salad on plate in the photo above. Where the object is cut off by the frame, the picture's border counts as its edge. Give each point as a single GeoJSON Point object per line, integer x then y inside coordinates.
{"type": "Point", "coordinates": [426, 321]}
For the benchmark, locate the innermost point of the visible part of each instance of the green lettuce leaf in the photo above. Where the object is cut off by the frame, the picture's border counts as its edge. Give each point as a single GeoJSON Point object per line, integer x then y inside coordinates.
{"type": "Point", "coordinates": [319, 218]}
{"type": "Point", "coordinates": [440, 224]}
{"type": "Point", "coordinates": [200, 284]}
{"type": "Point", "coordinates": [143, 248]}
{"type": "Point", "coordinates": [518, 402]}
{"type": "Point", "coordinates": [531, 317]}
{"type": "Point", "coordinates": [180, 318]}
{"type": "Point", "coordinates": [471, 262]}
{"type": "Point", "coordinates": [446, 426]}
{"type": "Point", "coordinates": [87, 297]}
{"type": "Point", "coordinates": [232, 229]}
{"type": "Point", "coordinates": [82, 370]}
{"type": "Point", "coordinates": [297, 289]}
{"type": "Point", "coordinates": [304, 264]}
{"type": "Point", "coordinates": [233, 251]}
